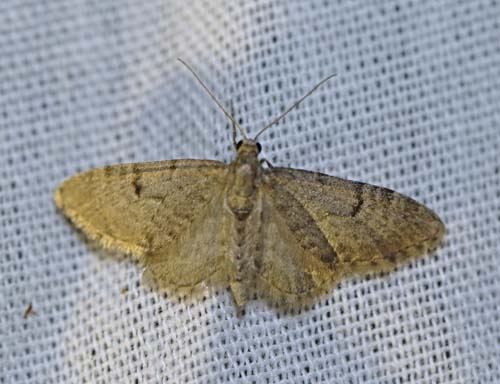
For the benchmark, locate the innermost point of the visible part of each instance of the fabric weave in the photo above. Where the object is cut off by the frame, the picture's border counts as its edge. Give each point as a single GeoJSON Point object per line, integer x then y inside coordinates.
{"type": "Point", "coordinates": [414, 107]}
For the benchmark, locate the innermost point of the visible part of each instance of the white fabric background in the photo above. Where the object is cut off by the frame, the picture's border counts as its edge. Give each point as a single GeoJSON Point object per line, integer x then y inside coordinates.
{"type": "Point", "coordinates": [415, 107]}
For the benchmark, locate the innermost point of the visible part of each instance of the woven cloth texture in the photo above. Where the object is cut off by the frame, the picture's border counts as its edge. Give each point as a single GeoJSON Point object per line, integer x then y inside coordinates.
{"type": "Point", "coordinates": [415, 107]}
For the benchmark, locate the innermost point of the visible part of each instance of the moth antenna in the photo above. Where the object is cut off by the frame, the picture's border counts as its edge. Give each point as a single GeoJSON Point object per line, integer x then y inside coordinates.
{"type": "Point", "coordinates": [233, 129]}
{"type": "Point", "coordinates": [294, 105]}
{"type": "Point", "coordinates": [219, 104]}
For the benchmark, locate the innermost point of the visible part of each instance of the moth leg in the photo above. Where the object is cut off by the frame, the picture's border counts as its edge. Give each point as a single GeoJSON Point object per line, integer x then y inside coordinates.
{"type": "Point", "coordinates": [265, 161]}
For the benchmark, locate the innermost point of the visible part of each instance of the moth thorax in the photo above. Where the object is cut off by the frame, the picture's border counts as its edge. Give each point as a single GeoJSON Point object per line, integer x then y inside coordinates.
{"type": "Point", "coordinates": [244, 180]}
{"type": "Point", "coordinates": [241, 195]}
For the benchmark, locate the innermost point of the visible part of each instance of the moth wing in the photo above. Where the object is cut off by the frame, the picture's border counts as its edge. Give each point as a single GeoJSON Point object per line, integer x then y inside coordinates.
{"type": "Point", "coordinates": [121, 205]}
{"type": "Point", "coordinates": [184, 259]}
{"type": "Point", "coordinates": [297, 262]}
{"type": "Point", "coordinates": [369, 228]}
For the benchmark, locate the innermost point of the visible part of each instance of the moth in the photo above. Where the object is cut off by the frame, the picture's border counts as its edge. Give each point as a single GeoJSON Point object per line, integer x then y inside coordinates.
{"type": "Point", "coordinates": [280, 233]}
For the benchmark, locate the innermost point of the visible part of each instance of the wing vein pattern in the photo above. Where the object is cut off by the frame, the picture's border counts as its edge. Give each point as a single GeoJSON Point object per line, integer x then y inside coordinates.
{"type": "Point", "coordinates": [367, 229]}
{"type": "Point", "coordinates": [154, 211]}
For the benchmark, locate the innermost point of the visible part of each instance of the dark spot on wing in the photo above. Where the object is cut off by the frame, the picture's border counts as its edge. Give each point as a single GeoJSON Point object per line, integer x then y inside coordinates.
{"type": "Point", "coordinates": [359, 197]}
{"type": "Point", "coordinates": [108, 170]}
{"type": "Point", "coordinates": [330, 258]}
{"type": "Point", "coordinates": [391, 257]}
{"type": "Point", "coordinates": [137, 187]}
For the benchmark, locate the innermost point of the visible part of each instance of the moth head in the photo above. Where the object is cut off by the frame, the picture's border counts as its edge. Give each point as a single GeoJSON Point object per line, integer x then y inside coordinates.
{"type": "Point", "coordinates": [248, 146]}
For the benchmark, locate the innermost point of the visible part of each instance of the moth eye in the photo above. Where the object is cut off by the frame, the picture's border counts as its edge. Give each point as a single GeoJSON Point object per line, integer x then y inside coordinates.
{"type": "Point", "coordinates": [238, 144]}
{"type": "Point", "coordinates": [259, 147]}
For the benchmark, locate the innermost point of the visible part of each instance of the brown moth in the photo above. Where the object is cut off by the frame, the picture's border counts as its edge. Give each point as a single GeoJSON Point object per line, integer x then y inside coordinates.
{"type": "Point", "coordinates": [282, 233]}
